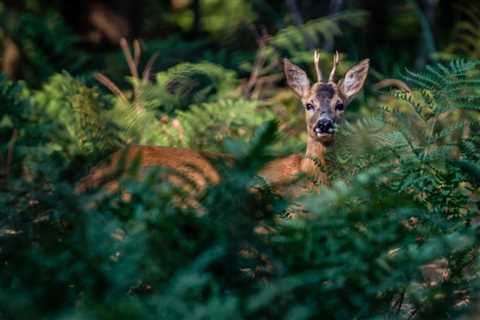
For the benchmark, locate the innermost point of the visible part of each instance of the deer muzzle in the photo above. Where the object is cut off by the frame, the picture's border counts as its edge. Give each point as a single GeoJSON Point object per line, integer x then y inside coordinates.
{"type": "Point", "coordinates": [323, 127]}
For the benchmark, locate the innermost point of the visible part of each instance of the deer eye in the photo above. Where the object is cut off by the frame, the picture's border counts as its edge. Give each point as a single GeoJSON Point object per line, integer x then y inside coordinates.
{"type": "Point", "coordinates": [340, 106]}
{"type": "Point", "coordinates": [309, 107]}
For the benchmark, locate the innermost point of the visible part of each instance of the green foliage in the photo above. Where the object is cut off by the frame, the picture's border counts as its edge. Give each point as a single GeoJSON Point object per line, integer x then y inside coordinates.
{"type": "Point", "coordinates": [314, 32]}
{"type": "Point", "coordinates": [187, 84]}
{"type": "Point", "coordinates": [237, 15]}
{"type": "Point", "coordinates": [416, 141]}
{"type": "Point", "coordinates": [454, 85]}
{"type": "Point", "coordinates": [225, 118]}
{"type": "Point", "coordinates": [15, 111]}
{"type": "Point", "coordinates": [23, 133]}
{"type": "Point", "coordinates": [93, 131]}
{"type": "Point", "coordinates": [466, 32]}
{"type": "Point", "coordinates": [359, 253]}
{"type": "Point", "coordinates": [170, 51]}
{"type": "Point", "coordinates": [78, 114]}
{"type": "Point", "coordinates": [16, 114]}
{"type": "Point", "coordinates": [46, 43]}
{"type": "Point", "coordinates": [175, 110]}
{"type": "Point", "coordinates": [394, 236]}
{"type": "Point", "coordinates": [423, 152]}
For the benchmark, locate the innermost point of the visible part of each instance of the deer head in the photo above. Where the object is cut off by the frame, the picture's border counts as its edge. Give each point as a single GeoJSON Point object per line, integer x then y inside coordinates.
{"type": "Point", "coordinates": [325, 101]}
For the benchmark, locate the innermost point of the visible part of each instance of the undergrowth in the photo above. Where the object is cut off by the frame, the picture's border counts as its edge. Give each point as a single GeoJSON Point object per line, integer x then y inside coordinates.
{"type": "Point", "coordinates": [394, 236]}
{"type": "Point", "coordinates": [404, 197]}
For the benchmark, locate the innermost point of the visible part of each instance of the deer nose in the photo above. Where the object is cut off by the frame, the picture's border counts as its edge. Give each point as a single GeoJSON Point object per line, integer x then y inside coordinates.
{"type": "Point", "coordinates": [324, 126]}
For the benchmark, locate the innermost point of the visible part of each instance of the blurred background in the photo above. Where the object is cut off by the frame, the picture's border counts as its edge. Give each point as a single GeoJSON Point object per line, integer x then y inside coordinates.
{"type": "Point", "coordinates": [395, 236]}
{"type": "Point", "coordinates": [39, 37]}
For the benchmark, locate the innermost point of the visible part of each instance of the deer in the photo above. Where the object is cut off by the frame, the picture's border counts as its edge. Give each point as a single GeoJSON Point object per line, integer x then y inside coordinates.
{"type": "Point", "coordinates": [324, 103]}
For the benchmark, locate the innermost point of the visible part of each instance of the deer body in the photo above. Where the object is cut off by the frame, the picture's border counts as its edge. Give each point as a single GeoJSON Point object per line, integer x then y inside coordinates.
{"type": "Point", "coordinates": [324, 104]}
{"type": "Point", "coordinates": [195, 166]}
{"type": "Point", "coordinates": [198, 169]}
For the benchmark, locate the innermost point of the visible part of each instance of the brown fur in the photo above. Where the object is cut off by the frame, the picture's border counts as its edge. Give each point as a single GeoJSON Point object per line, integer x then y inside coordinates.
{"type": "Point", "coordinates": [193, 166]}
{"type": "Point", "coordinates": [186, 163]}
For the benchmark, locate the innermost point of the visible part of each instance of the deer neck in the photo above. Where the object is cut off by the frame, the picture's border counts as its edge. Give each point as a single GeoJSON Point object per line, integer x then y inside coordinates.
{"type": "Point", "coordinates": [317, 150]}
{"type": "Point", "coordinates": [314, 161]}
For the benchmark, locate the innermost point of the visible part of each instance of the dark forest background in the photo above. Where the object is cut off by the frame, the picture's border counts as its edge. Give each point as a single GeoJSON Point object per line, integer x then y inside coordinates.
{"type": "Point", "coordinates": [394, 236]}
{"type": "Point", "coordinates": [406, 32]}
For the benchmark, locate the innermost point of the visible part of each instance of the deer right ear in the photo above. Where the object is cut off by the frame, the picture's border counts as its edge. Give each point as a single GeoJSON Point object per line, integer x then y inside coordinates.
{"type": "Point", "coordinates": [355, 79]}
{"type": "Point", "coordinates": [296, 78]}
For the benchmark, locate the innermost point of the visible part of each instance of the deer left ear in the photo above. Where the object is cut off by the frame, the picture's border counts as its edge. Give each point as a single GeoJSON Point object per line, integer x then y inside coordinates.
{"type": "Point", "coordinates": [355, 79]}
{"type": "Point", "coordinates": [296, 78]}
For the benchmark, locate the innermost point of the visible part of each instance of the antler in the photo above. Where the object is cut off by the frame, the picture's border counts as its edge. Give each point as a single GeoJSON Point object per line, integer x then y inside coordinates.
{"type": "Point", "coordinates": [316, 59]}
{"type": "Point", "coordinates": [336, 60]}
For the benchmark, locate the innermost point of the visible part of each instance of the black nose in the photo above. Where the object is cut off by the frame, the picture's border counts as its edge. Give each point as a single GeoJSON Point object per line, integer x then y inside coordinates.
{"type": "Point", "coordinates": [325, 126]}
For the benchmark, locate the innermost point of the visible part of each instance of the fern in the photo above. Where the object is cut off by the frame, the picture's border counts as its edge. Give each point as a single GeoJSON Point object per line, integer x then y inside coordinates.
{"type": "Point", "coordinates": [183, 85]}
{"type": "Point", "coordinates": [15, 110]}
{"type": "Point", "coordinates": [171, 50]}
{"type": "Point", "coordinates": [414, 141]}
{"type": "Point", "coordinates": [225, 118]}
{"type": "Point", "coordinates": [79, 112]}
{"type": "Point", "coordinates": [363, 143]}
{"type": "Point", "coordinates": [451, 85]}
{"type": "Point", "coordinates": [15, 115]}
{"type": "Point", "coordinates": [96, 123]}
{"type": "Point", "coordinates": [94, 132]}
{"type": "Point", "coordinates": [29, 143]}
{"type": "Point", "coordinates": [466, 33]}
{"type": "Point", "coordinates": [315, 32]}
{"type": "Point", "coordinates": [472, 169]}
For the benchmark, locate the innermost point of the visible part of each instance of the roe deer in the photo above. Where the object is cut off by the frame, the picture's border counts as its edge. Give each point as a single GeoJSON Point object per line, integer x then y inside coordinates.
{"type": "Point", "coordinates": [324, 103]}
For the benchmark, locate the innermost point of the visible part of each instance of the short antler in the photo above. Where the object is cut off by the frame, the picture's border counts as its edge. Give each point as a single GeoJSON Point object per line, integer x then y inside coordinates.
{"type": "Point", "coordinates": [316, 59]}
{"type": "Point", "coordinates": [336, 60]}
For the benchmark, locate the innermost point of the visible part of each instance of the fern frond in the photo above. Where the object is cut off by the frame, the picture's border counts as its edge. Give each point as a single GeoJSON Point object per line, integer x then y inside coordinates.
{"type": "Point", "coordinates": [472, 169]}
{"type": "Point", "coordinates": [94, 132]}
{"type": "Point", "coordinates": [446, 87]}
{"type": "Point", "coordinates": [293, 38]}
{"type": "Point", "coordinates": [467, 32]}
{"type": "Point", "coordinates": [225, 118]}
{"type": "Point", "coordinates": [185, 84]}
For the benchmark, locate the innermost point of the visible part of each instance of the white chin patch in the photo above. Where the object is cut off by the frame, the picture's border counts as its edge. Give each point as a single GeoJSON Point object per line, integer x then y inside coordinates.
{"type": "Point", "coordinates": [324, 135]}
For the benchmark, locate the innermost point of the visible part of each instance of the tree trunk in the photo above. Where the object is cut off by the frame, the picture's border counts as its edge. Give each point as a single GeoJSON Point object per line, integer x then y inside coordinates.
{"type": "Point", "coordinates": [335, 7]}
{"type": "Point", "coordinates": [197, 17]}
{"type": "Point", "coordinates": [11, 60]}
{"type": "Point", "coordinates": [292, 5]}
{"type": "Point", "coordinates": [426, 11]}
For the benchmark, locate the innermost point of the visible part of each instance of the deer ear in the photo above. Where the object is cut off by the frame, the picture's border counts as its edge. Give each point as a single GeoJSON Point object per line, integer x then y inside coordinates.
{"type": "Point", "coordinates": [354, 79]}
{"type": "Point", "coordinates": [296, 78]}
